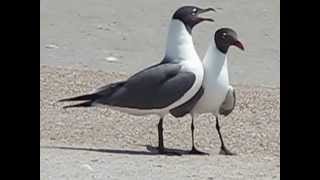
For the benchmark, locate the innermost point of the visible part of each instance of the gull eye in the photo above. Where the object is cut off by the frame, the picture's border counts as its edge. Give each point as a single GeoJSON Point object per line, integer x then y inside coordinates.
{"type": "Point", "coordinates": [224, 35]}
{"type": "Point", "coordinates": [194, 10]}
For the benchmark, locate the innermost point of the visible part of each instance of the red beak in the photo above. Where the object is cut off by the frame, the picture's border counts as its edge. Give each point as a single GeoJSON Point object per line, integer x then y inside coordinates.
{"type": "Point", "coordinates": [239, 45]}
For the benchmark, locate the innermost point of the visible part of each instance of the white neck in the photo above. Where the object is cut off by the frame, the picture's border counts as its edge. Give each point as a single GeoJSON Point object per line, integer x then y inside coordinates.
{"type": "Point", "coordinates": [215, 63]}
{"type": "Point", "coordinates": [179, 42]}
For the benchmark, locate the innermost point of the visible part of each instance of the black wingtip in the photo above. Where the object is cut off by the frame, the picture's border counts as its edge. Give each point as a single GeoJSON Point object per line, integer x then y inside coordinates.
{"type": "Point", "coordinates": [81, 98]}
{"type": "Point", "coordinates": [63, 100]}
{"type": "Point", "coordinates": [66, 107]}
{"type": "Point", "coordinates": [84, 104]}
{"type": "Point", "coordinates": [67, 99]}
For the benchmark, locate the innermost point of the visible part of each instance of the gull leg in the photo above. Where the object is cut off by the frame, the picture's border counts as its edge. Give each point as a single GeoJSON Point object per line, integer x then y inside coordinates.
{"type": "Point", "coordinates": [194, 150]}
{"type": "Point", "coordinates": [161, 144]}
{"type": "Point", "coordinates": [160, 135]}
{"type": "Point", "coordinates": [223, 149]}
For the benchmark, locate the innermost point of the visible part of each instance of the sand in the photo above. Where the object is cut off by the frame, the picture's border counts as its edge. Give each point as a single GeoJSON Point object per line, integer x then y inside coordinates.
{"type": "Point", "coordinates": [252, 131]}
{"type": "Point", "coordinates": [86, 44]}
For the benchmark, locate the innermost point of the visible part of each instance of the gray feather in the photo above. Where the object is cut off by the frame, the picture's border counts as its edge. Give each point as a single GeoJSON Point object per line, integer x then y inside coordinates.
{"type": "Point", "coordinates": [229, 103]}
{"type": "Point", "coordinates": [185, 108]}
{"type": "Point", "coordinates": [153, 88]}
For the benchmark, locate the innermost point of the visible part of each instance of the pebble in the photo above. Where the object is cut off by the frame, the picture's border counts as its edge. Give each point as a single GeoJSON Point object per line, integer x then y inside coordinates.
{"type": "Point", "coordinates": [101, 27]}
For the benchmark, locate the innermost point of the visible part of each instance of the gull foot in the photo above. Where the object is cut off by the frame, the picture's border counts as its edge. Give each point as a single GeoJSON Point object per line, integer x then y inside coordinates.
{"type": "Point", "coordinates": [225, 151]}
{"type": "Point", "coordinates": [195, 151]}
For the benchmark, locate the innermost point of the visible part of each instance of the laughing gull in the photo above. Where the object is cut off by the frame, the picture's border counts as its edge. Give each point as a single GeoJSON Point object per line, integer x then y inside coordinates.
{"type": "Point", "coordinates": [216, 95]}
{"type": "Point", "coordinates": [161, 87]}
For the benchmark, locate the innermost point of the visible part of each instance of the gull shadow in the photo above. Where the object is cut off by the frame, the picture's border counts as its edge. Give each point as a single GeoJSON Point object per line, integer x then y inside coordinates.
{"type": "Point", "coordinates": [113, 151]}
{"type": "Point", "coordinates": [151, 150]}
{"type": "Point", "coordinates": [170, 150]}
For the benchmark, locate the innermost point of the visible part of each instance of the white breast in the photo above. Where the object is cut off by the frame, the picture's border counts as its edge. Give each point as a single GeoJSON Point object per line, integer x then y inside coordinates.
{"type": "Point", "coordinates": [215, 83]}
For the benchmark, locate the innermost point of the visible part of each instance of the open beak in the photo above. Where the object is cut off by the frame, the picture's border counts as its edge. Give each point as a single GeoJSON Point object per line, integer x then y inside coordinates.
{"type": "Point", "coordinates": [203, 11]}
{"type": "Point", "coordinates": [238, 44]}
{"type": "Point", "coordinates": [206, 10]}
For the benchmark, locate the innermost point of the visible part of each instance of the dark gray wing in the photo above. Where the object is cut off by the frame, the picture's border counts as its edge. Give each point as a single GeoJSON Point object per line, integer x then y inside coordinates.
{"type": "Point", "coordinates": [228, 103]}
{"type": "Point", "coordinates": [187, 106]}
{"type": "Point", "coordinates": [155, 87]}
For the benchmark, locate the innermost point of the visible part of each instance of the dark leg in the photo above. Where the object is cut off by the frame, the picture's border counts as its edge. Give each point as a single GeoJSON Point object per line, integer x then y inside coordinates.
{"type": "Point", "coordinates": [223, 149]}
{"type": "Point", "coordinates": [160, 136]}
{"type": "Point", "coordinates": [194, 150]}
{"type": "Point", "coordinates": [161, 144]}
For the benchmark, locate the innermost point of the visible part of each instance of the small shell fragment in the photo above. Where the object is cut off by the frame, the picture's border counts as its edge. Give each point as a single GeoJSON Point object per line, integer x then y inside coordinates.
{"type": "Point", "coordinates": [88, 167]}
{"type": "Point", "coordinates": [51, 46]}
{"type": "Point", "coordinates": [111, 59]}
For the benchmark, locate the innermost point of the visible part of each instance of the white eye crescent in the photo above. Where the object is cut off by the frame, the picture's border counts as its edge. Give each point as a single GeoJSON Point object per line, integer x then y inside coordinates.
{"type": "Point", "coordinates": [224, 35]}
{"type": "Point", "coordinates": [194, 9]}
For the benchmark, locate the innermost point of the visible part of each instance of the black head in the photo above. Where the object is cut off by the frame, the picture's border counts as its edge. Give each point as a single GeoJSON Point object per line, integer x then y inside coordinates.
{"type": "Point", "coordinates": [226, 37]}
{"type": "Point", "coordinates": [189, 15]}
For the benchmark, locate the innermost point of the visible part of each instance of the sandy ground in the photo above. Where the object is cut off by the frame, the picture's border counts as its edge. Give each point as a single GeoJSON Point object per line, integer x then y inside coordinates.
{"type": "Point", "coordinates": [97, 143]}
{"type": "Point", "coordinates": [252, 131]}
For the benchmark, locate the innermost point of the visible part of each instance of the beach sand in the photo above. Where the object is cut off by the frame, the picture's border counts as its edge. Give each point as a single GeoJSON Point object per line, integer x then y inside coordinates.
{"type": "Point", "coordinates": [252, 131]}
{"type": "Point", "coordinates": [87, 44]}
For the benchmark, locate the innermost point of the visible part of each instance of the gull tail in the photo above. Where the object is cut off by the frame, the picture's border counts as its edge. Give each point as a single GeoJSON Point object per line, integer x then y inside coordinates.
{"type": "Point", "coordinates": [101, 93]}
{"type": "Point", "coordinates": [80, 98]}
{"type": "Point", "coordinates": [84, 104]}
{"type": "Point", "coordinates": [89, 98]}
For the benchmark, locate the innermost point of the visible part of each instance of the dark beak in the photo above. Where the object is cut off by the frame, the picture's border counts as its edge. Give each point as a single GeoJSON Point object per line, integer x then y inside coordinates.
{"type": "Point", "coordinates": [204, 11]}
{"type": "Point", "coordinates": [238, 44]}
